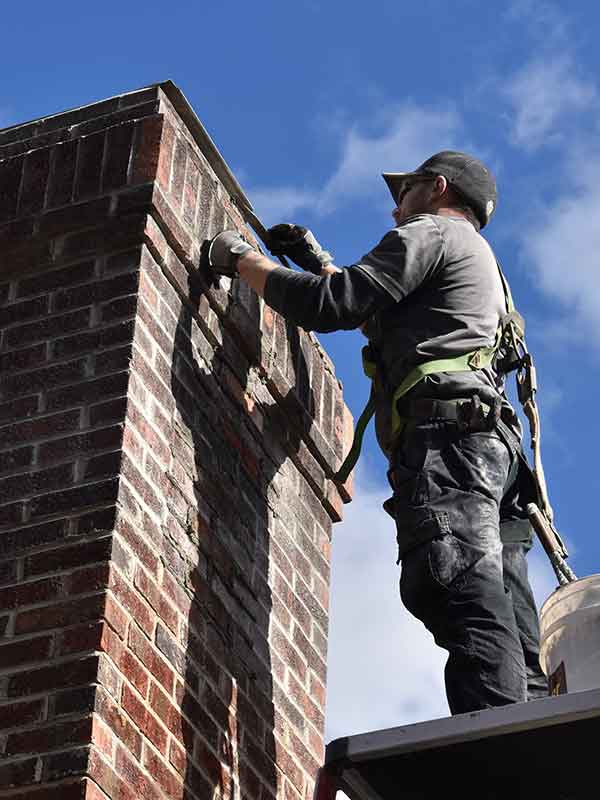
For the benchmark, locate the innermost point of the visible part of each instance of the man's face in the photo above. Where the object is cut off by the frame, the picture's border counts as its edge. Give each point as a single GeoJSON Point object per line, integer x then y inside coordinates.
{"type": "Point", "coordinates": [413, 197]}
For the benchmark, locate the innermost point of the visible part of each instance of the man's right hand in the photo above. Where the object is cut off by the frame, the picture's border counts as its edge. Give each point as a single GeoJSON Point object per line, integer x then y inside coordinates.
{"type": "Point", "coordinates": [300, 245]}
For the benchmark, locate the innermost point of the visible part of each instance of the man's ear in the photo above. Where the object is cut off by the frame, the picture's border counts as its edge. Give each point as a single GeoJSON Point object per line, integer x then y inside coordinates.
{"type": "Point", "coordinates": [440, 185]}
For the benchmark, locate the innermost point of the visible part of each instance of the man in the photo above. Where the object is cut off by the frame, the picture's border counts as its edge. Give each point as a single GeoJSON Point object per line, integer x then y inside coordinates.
{"type": "Point", "coordinates": [430, 298]}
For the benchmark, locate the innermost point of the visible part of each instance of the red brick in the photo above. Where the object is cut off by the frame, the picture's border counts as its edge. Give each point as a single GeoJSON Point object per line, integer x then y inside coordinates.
{"type": "Point", "coordinates": [102, 737]}
{"type": "Point", "coordinates": [107, 779]}
{"type": "Point", "coordinates": [178, 172]}
{"type": "Point", "coordinates": [118, 723]}
{"type": "Point", "coordinates": [146, 722]}
{"type": "Point", "coordinates": [159, 668]}
{"type": "Point", "coordinates": [147, 149]}
{"type": "Point", "coordinates": [132, 602]}
{"type": "Point", "coordinates": [169, 782]}
{"type": "Point", "coordinates": [165, 156]}
{"type": "Point", "coordinates": [115, 616]}
{"type": "Point", "coordinates": [190, 193]}
{"type": "Point", "coordinates": [178, 757]}
{"type": "Point", "coordinates": [169, 714]}
{"type": "Point", "coordinates": [153, 595]}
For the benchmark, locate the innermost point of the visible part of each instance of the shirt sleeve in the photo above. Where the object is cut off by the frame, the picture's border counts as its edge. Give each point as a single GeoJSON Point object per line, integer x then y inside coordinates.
{"type": "Point", "coordinates": [341, 301]}
{"type": "Point", "coordinates": [405, 257]}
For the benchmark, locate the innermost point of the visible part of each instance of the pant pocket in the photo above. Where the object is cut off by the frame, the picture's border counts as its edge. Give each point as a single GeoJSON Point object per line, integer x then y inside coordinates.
{"type": "Point", "coordinates": [451, 560]}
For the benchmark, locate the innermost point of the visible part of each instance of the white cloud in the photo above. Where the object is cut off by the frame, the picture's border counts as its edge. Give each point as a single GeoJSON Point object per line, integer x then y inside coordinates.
{"type": "Point", "coordinates": [281, 203]}
{"type": "Point", "coordinates": [544, 95]}
{"type": "Point", "coordinates": [563, 246]}
{"type": "Point", "coordinates": [384, 669]}
{"type": "Point", "coordinates": [409, 136]}
{"type": "Point", "coordinates": [404, 138]}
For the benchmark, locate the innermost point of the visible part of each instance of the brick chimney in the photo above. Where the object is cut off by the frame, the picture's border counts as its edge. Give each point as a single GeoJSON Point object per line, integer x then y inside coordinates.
{"type": "Point", "coordinates": [165, 506]}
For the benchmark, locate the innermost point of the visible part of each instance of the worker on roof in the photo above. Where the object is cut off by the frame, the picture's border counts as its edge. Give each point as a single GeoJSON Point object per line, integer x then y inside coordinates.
{"type": "Point", "coordinates": [430, 297]}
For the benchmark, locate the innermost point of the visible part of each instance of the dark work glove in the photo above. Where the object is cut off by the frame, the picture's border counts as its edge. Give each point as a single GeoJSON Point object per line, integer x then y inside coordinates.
{"type": "Point", "coordinates": [224, 251]}
{"type": "Point", "coordinates": [300, 245]}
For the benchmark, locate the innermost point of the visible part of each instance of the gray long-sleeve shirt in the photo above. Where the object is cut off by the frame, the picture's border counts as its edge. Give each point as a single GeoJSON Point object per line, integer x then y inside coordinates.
{"type": "Point", "coordinates": [430, 289]}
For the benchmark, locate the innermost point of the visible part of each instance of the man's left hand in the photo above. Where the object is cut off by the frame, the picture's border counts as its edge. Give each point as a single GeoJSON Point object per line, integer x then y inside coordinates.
{"type": "Point", "coordinates": [225, 250]}
{"type": "Point", "coordinates": [300, 245]}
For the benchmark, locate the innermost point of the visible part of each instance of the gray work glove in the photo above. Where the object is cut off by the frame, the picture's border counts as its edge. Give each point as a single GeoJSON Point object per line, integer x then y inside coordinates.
{"type": "Point", "coordinates": [224, 251]}
{"type": "Point", "coordinates": [300, 245]}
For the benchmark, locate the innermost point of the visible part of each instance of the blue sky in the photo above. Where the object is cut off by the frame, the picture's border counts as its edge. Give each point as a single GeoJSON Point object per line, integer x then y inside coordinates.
{"type": "Point", "coordinates": [309, 102]}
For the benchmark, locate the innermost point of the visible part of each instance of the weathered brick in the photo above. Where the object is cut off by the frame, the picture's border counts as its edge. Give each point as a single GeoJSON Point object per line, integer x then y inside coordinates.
{"type": "Point", "coordinates": [10, 181]}
{"type": "Point", "coordinates": [88, 391]}
{"type": "Point", "coordinates": [118, 146]}
{"type": "Point", "coordinates": [64, 157]}
{"type": "Point", "coordinates": [35, 177]}
{"type": "Point", "coordinates": [63, 765]}
{"type": "Point", "coordinates": [47, 328]}
{"type": "Point", "coordinates": [39, 428]}
{"type": "Point", "coordinates": [59, 614]}
{"type": "Point", "coordinates": [25, 651]}
{"type": "Point", "coordinates": [72, 446]}
{"type": "Point", "coordinates": [70, 674]}
{"type": "Point", "coordinates": [18, 773]}
{"type": "Point", "coordinates": [16, 715]}
{"type": "Point", "coordinates": [49, 737]}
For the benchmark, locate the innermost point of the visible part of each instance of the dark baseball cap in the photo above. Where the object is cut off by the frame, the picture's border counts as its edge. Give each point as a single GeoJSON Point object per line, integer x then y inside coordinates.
{"type": "Point", "coordinates": [466, 174]}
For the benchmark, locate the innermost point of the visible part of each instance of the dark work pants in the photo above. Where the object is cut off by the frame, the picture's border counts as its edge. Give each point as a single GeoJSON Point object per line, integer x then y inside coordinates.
{"type": "Point", "coordinates": [463, 539]}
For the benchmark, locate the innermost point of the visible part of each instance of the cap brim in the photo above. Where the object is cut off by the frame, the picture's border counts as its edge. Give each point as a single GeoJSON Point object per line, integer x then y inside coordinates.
{"type": "Point", "coordinates": [394, 181]}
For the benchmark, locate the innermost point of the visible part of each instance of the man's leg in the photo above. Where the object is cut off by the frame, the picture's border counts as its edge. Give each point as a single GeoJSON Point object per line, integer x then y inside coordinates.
{"type": "Point", "coordinates": [452, 485]}
{"type": "Point", "coordinates": [517, 584]}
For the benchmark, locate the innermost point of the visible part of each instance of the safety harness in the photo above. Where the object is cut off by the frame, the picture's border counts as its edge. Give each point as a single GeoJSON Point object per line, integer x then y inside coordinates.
{"type": "Point", "coordinates": [510, 342]}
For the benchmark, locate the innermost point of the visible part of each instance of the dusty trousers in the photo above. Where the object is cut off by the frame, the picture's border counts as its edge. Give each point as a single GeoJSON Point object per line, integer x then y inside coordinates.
{"type": "Point", "coordinates": [463, 537]}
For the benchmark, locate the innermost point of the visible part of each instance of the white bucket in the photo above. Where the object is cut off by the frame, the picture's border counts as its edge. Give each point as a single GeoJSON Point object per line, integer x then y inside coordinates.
{"type": "Point", "coordinates": [570, 636]}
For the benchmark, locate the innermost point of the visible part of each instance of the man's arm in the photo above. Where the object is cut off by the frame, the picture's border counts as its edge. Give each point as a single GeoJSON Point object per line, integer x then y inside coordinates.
{"type": "Point", "coordinates": [333, 299]}
{"type": "Point", "coordinates": [254, 269]}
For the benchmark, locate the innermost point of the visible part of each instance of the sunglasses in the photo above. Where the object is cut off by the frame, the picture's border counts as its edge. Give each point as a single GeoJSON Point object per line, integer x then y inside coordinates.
{"type": "Point", "coordinates": [410, 182]}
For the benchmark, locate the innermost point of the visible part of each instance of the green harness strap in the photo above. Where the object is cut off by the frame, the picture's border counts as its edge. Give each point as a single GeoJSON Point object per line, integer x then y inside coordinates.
{"type": "Point", "coordinates": [477, 359]}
